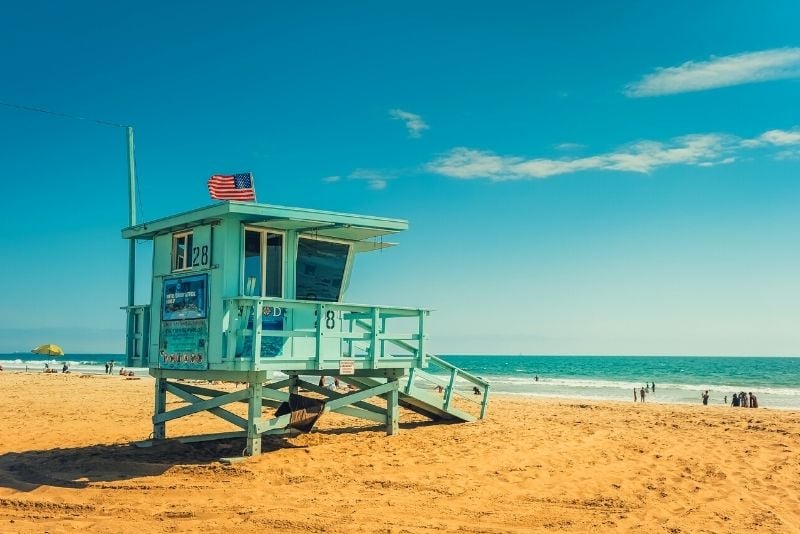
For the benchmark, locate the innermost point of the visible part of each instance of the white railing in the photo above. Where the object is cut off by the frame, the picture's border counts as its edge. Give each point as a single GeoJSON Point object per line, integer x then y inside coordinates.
{"type": "Point", "coordinates": [322, 333]}
{"type": "Point", "coordinates": [451, 381]}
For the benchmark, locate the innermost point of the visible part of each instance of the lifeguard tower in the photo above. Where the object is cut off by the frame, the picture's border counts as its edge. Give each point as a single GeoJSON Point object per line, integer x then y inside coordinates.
{"type": "Point", "coordinates": [252, 293]}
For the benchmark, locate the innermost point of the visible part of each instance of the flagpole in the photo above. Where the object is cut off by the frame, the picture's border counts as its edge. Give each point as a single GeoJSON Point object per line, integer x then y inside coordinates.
{"type": "Point", "coordinates": [131, 246]}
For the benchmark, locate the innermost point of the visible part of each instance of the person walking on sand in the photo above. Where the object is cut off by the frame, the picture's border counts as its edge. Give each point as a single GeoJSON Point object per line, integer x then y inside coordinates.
{"type": "Point", "coordinates": [641, 394]}
{"type": "Point", "coordinates": [704, 396]}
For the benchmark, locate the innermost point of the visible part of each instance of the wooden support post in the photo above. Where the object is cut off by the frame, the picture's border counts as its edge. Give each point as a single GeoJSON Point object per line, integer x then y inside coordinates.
{"type": "Point", "coordinates": [485, 401]}
{"type": "Point", "coordinates": [410, 383]}
{"type": "Point", "coordinates": [448, 392]}
{"type": "Point", "coordinates": [254, 420]}
{"type": "Point", "coordinates": [160, 428]}
{"type": "Point", "coordinates": [294, 385]}
{"type": "Point", "coordinates": [392, 398]}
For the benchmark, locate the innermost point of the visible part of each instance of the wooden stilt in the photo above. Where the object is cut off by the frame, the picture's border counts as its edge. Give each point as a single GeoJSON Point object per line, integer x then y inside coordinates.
{"type": "Point", "coordinates": [159, 426]}
{"type": "Point", "coordinates": [392, 398]}
{"type": "Point", "coordinates": [254, 420]}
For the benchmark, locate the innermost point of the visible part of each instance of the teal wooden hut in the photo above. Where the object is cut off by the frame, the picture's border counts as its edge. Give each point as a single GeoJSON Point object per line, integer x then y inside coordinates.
{"type": "Point", "coordinates": [251, 293]}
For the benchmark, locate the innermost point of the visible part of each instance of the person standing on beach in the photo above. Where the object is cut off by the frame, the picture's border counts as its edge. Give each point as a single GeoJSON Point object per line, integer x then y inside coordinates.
{"type": "Point", "coordinates": [634, 395]}
{"type": "Point", "coordinates": [735, 401]}
{"type": "Point", "coordinates": [653, 387]}
{"type": "Point", "coordinates": [753, 400]}
{"type": "Point", "coordinates": [111, 367]}
{"type": "Point", "coordinates": [743, 401]}
{"type": "Point", "coordinates": [641, 394]}
{"type": "Point", "coordinates": [705, 398]}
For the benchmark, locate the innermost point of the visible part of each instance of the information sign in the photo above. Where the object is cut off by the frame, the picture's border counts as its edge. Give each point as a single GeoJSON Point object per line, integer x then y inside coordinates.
{"type": "Point", "coordinates": [346, 367]}
{"type": "Point", "coordinates": [183, 344]}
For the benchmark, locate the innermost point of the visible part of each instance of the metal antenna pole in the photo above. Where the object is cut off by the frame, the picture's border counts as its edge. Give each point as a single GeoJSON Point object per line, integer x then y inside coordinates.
{"type": "Point", "coordinates": [131, 245]}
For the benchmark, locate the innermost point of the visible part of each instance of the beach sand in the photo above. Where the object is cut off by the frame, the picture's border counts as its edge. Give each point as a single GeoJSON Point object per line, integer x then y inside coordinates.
{"type": "Point", "coordinates": [66, 465]}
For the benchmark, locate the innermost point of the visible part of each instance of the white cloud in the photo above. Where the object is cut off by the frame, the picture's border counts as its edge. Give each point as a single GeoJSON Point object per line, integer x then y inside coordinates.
{"type": "Point", "coordinates": [725, 71]}
{"type": "Point", "coordinates": [414, 123]}
{"type": "Point", "coordinates": [331, 179]}
{"type": "Point", "coordinates": [788, 154]}
{"type": "Point", "coordinates": [570, 146]}
{"type": "Point", "coordinates": [703, 150]}
{"type": "Point", "coordinates": [774, 138]}
{"type": "Point", "coordinates": [781, 137]}
{"type": "Point", "coordinates": [641, 157]}
{"type": "Point", "coordinates": [376, 179]}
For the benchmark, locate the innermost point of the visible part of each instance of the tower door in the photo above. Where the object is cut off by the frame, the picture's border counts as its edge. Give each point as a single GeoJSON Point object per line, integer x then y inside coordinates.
{"type": "Point", "coordinates": [262, 275]}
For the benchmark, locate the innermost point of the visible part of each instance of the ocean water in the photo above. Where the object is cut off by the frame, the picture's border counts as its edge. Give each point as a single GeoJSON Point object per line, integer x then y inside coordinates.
{"type": "Point", "coordinates": [678, 379]}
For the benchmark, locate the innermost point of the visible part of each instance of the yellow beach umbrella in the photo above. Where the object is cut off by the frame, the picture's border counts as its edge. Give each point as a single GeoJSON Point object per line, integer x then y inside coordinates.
{"type": "Point", "coordinates": [49, 350]}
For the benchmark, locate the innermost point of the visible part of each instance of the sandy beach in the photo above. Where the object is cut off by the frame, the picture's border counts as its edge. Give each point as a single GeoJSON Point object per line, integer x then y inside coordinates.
{"type": "Point", "coordinates": [66, 465]}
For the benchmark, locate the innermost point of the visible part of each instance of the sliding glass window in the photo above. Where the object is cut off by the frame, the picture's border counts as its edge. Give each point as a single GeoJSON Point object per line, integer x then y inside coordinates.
{"type": "Point", "coordinates": [320, 269]}
{"type": "Point", "coordinates": [263, 263]}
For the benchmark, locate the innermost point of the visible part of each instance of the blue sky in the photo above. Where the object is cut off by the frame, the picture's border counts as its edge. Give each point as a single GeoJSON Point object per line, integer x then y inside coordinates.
{"type": "Point", "coordinates": [580, 178]}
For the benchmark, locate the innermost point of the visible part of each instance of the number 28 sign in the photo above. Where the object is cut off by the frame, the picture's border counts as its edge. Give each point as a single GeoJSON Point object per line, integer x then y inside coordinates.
{"type": "Point", "coordinates": [200, 254]}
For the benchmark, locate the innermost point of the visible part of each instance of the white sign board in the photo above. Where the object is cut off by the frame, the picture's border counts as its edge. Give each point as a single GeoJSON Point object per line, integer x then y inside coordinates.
{"type": "Point", "coordinates": [346, 367]}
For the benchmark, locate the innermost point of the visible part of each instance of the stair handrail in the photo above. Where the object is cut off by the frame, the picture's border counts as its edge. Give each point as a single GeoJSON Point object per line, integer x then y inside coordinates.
{"type": "Point", "coordinates": [455, 372]}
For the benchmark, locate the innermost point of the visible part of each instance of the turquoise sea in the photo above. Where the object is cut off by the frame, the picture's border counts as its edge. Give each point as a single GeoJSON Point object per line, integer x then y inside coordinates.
{"type": "Point", "coordinates": [678, 379]}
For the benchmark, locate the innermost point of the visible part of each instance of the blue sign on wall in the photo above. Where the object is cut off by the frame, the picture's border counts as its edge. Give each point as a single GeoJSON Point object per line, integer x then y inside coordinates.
{"type": "Point", "coordinates": [185, 298]}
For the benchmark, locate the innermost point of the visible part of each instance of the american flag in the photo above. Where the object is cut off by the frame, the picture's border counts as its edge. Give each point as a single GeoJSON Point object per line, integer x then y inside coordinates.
{"type": "Point", "coordinates": [232, 187]}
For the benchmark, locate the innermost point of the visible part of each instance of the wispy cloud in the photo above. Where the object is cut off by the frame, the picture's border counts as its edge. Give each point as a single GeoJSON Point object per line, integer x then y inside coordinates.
{"type": "Point", "coordinates": [331, 179]}
{"type": "Point", "coordinates": [570, 146]}
{"type": "Point", "coordinates": [414, 123]}
{"type": "Point", "coordinates": [774, 138]}
{"type": "Point", "coordinates": [703, 150]}
{"type": "Point", "coordinates": [788, 154]}
{"type": "Point", "coordinates": [376, 179]}
{"type": "Point", "coordinates": [725, 71]}
{"type": "Point", "coordinates": [781, 137]}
